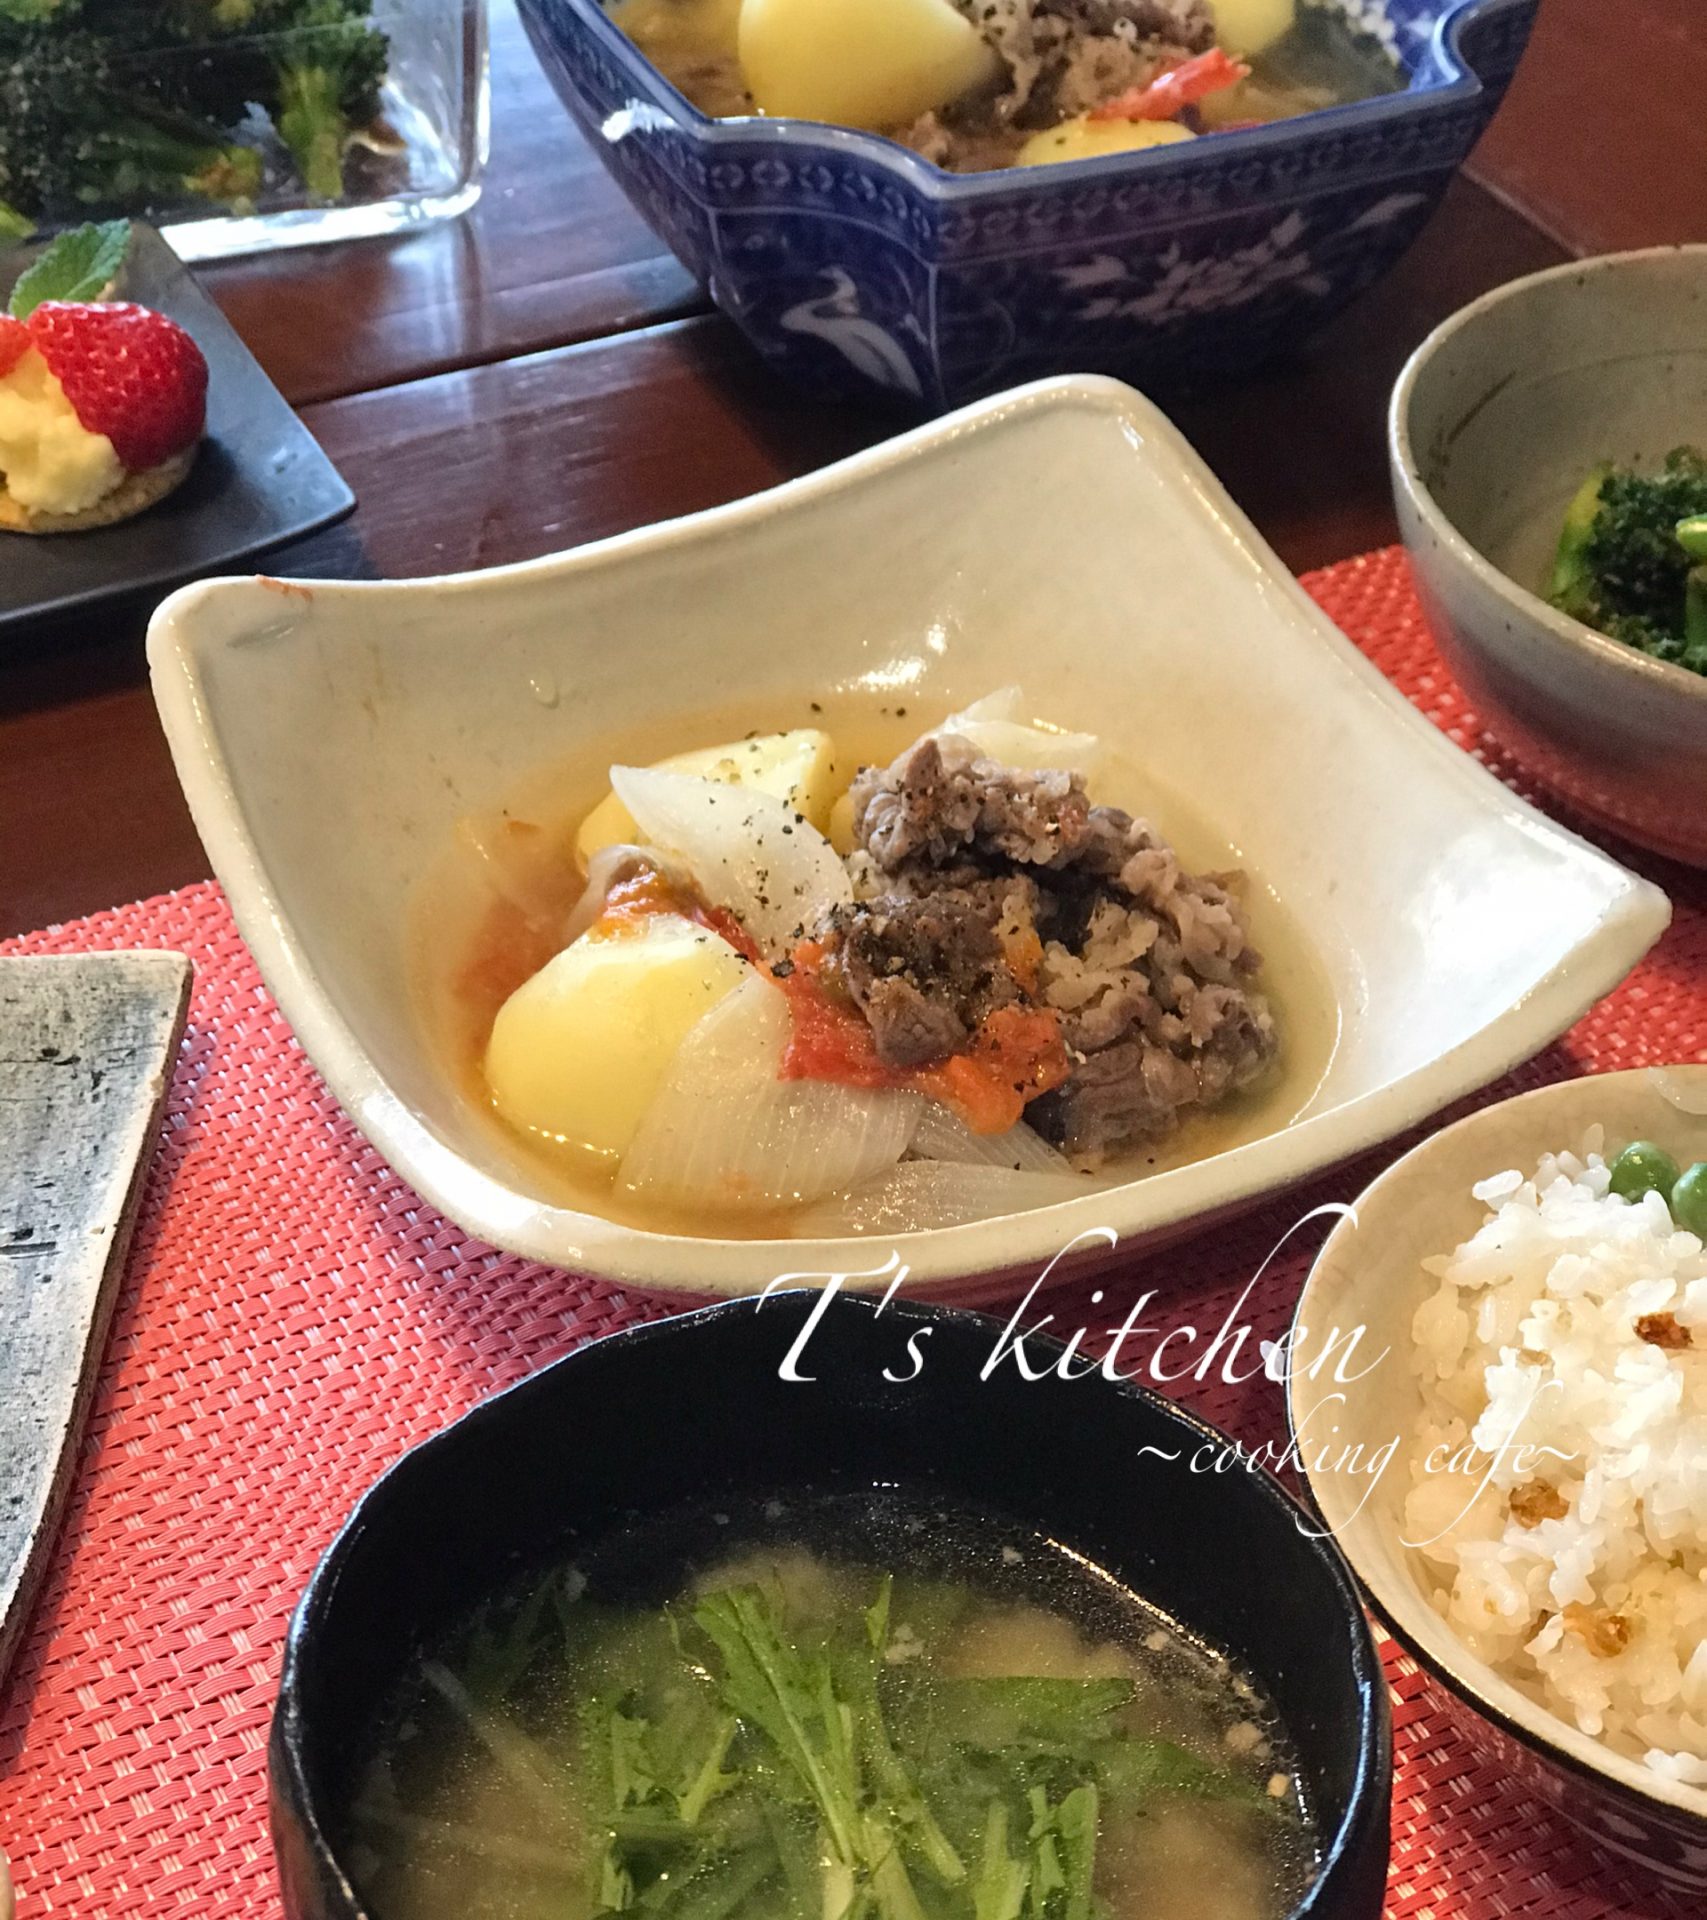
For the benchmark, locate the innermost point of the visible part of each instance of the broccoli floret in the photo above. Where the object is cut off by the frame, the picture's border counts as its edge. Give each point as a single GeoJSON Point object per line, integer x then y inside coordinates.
{"type": "Point", "coordinates": [146, 158]}
{"type": "Point", "coordinates": [329, 81]}
{"type": "Point", "coordinates": [81, 126]}
{"type": "Point", "coordinates": [314, 66]}
{"type": "Point", "coordinates": [1628, 563]}
{"type": "Point", "coordinates": [128, 104]}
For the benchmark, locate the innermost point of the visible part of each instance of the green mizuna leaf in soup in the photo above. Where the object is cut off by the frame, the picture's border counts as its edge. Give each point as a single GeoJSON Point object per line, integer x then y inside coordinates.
{"type": "Point", "coordinates": [999, 1891]}
{"type": "Point", "coordinates": [1136, 1769]}
{"type": "Point", "coordinates": [79, 265]}
{"type": "Point", "coordinates": [926, 1611]}
{"type": "Point", "coordinates": [632, 1778]}
{"type": "Point", "coordinates": [1063, 1839]}
{"type": "Point", "coordinates": [500, 1649]}
{"type": "Point", "coordinates": [704, 1778]}
{"type": "Point", "coordinates": [788, 1696]}
{"type": "Point", "coordinates": [1000, 1712]}
{"type": "Point", "coordinates": [1076, 1826]}
{"type": "Point", "coordinates": [877, 1616]}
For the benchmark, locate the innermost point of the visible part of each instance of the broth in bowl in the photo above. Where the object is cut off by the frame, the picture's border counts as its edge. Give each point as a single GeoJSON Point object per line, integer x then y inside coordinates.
{"type": "Point", "coordinates": [839, 1706]}
{"type": "Point", "coordinates": [976, 85]}
{"type": "Point", "coordinates": [845, 976]}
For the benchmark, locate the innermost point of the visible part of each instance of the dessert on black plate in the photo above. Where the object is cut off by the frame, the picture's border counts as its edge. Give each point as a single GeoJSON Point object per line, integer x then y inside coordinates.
{"type": "Point", "coordinates": [103, 402]}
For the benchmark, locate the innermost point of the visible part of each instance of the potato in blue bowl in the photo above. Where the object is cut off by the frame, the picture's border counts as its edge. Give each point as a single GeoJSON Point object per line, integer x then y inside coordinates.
{"type": "Point", "coordinates": [1113, 204]}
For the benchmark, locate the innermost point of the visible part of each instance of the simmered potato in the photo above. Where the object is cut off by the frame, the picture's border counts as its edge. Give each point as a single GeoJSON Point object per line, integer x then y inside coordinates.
{"type": "Point", "coordinates": [1248, 26]}
{"type": "Point", "coordinates": [578, 1051]}
{"type": "Point", "coordinates": [1083, 138]}
{"type": "Point", "coordinates": [841, 828]}
{"type": "Point", "coordinates": [799, 767]}
{"type": "Point", "coordinates": [860, 63]}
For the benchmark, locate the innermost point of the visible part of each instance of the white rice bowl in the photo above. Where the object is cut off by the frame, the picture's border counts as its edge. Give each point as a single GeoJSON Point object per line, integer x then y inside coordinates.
{"type": "Point", "coordinates": [1558, 1501]}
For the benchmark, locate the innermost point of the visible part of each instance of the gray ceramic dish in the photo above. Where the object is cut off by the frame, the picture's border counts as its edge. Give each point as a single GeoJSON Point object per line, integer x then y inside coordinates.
{"type": "Point", "coordinates": [1495, 421]}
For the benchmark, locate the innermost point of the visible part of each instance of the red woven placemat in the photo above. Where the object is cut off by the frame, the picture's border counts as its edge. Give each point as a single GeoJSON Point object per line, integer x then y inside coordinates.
{"type": "Point", "coordinates": [294, 1317]}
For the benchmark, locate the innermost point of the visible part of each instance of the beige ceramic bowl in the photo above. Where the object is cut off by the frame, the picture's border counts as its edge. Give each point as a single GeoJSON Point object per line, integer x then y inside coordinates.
{"type": "Point", "coordinates": [1063, 537]}
{"type": "Point", "coordinates": [1501, 413]}
{"type": "Point", "coordinates": [1369, 1275]}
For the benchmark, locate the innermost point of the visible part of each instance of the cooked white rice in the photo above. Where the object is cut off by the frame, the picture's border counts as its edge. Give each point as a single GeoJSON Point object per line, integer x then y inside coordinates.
{"type": "Point", "coordinates": [1579, 1573]}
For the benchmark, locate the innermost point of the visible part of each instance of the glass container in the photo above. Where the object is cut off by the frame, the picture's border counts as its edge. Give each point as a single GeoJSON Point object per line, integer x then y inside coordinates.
{"type": "Point", "coordinates": [239, 126]}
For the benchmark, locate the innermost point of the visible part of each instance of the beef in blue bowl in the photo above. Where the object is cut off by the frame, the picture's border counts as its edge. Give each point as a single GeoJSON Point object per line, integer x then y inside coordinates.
{"type": "Point", "coordinates": [857, 266]}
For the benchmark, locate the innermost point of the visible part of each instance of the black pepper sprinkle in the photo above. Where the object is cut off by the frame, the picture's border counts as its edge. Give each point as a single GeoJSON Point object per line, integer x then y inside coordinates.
{"type": "Point", "coordinates": [782, 969]}
{"type": "Point", "coordinates": [815, 706]}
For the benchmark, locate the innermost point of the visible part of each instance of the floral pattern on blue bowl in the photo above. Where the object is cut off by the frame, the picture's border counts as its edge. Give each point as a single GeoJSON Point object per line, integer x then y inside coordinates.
{"type": "Point", "coordinates": [856, 268]}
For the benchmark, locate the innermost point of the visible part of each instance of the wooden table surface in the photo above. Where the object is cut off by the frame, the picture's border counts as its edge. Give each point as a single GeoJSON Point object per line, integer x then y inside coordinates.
{"type": "Point", "coordinates": [543, 372]}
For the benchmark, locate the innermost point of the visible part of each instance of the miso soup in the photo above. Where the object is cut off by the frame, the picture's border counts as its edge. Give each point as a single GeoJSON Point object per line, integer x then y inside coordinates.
{"type": "Point", "coordinates": [851, 1708]}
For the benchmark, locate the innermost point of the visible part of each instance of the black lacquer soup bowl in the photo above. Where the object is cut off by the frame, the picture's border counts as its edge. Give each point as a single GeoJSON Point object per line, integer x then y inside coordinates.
{"type": "Point", "coordinates": [696, 1415]}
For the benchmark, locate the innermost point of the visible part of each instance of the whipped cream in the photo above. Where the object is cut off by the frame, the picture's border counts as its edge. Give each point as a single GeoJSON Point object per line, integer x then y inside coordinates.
{"type": "Point", "coordinates": [50, 462]}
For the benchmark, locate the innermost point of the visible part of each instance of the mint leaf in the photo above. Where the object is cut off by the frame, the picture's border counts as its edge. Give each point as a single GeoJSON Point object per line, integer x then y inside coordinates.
{"type": "Point", "coordinates": [80, 265]}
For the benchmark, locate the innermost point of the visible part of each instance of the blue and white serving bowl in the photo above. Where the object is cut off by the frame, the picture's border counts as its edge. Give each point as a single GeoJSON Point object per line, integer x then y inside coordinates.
{"type": "Point", "coordinates": [857, 268]}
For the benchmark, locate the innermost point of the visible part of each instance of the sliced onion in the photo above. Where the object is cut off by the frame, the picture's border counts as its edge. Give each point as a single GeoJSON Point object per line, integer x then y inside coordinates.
{"type": "Point", "coordinates": [942, 1135]}
{"type": "Point", "coordinates": [996, 728]}
{"type": "Point", "coordinates": [747, 851]}
{"type": "Point", "coordinates": [724, 1131]}
{"type": "Point", "coordinates": [619, 861]}
{"type": "Point", "coordinates": [1003, 704]}
{"type": "Point", "coordinates": [918, 1195]}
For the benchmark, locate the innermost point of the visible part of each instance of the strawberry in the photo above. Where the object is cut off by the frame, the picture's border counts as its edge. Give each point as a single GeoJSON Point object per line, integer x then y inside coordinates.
{"type": "Point", "coordinates": [128, 372]}
{"type": "Point", "coordinates": [14, 343]}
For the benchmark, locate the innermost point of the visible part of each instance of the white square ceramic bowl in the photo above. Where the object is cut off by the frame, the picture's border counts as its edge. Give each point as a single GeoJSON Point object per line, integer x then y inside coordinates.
{"type": "Point", "coordinates": [1064, 537]}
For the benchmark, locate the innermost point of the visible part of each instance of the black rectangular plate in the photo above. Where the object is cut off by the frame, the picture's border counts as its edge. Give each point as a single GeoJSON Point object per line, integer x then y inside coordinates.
{"type": "Point", "coordinates": [259, 480]}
